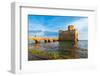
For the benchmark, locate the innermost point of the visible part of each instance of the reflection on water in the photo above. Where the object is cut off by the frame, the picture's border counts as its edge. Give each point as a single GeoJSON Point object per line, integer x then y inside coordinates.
{"type": "Point", "coordinates": [68, 49]}
{"type": "Point", "coordinates": [57, 50]}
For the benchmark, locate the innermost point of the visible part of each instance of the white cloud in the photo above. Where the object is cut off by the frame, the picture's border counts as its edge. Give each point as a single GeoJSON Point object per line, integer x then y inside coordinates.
{"type": "Point", "coordinates": [37, 27]}
{"type": "Point", "coordinates": [82, 27]}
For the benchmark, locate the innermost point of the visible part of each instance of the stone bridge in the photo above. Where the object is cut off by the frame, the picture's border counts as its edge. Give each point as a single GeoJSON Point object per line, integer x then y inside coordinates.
{"type": "Point", "coordinates": [40, 39]}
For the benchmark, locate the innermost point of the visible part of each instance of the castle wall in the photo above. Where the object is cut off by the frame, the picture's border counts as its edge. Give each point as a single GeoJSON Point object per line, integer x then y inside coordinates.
{"type": "Point", "coordinates": [68, 35]}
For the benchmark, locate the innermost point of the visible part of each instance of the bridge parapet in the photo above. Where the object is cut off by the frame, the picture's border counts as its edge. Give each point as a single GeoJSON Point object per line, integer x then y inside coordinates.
{"type": "Point", "coordinates": [39, 39]}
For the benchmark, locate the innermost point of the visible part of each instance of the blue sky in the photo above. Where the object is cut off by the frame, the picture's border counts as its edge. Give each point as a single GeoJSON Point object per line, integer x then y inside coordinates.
{"type": "Point", "coordinates": [48, 26]}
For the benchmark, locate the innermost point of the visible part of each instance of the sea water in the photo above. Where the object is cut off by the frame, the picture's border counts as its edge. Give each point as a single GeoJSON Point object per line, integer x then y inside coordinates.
{"type": "Point", "coordinates": [65, 49]}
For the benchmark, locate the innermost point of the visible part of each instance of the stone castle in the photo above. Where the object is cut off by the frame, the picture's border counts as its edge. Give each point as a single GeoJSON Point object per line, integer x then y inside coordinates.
{"type": "Point", "coordinates": [69, 35]}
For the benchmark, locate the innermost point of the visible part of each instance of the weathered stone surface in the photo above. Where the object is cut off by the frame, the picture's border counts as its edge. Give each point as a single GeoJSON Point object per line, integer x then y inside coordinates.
{"type": "Point", "coordinates": [69, 35]}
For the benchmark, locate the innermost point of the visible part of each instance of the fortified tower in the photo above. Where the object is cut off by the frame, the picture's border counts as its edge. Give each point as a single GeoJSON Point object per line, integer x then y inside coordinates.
{"type": "Point", "coordinates": [69, 35]}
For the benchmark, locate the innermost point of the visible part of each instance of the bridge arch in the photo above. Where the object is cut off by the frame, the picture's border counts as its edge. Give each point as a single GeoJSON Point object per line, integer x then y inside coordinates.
{"type": "Point", "coordinates": [45, 41]}
{"type": "Point", "coordinates": [37, 41]}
